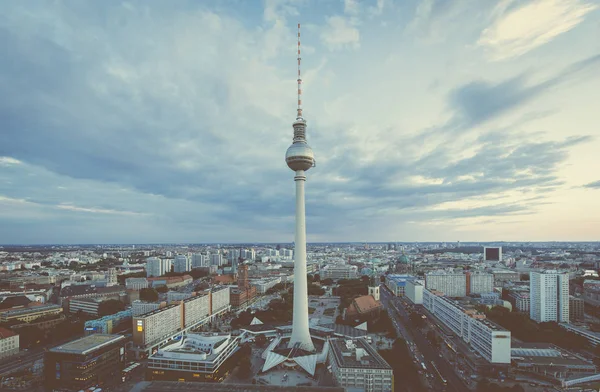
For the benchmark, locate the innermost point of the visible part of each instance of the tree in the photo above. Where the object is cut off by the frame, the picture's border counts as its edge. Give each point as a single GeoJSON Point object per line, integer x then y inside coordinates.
{"type": "Point", "coordinates": [524, 277]}
{"type": "Point", "coordinates": [149, 295]}
{"type": "Point", "coordinates": [111, 306]}
{"type": "Point", "coordinates": [162, 289]}
{"type": "Point", "coordinates": [327, 282]}
{"type": "Point", "coordinates": [261, 340]}
{"type": "Point", "coordinates": [316, 278]}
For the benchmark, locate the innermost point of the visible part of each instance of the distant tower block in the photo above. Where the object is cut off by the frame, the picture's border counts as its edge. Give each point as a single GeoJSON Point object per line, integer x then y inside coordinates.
{"type": "Point", "coordinates": [299, 157]}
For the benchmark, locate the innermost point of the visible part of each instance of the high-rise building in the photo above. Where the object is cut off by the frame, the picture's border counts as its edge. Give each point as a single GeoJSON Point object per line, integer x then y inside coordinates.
{"type": "Point", "coordinates": [479, 283]}
{"type": "Point", "coordinates": [492, 253]}
{"type": "Point", "coordinates": [154, 267]}
{"type": "Point", "coordinates": [199, 260]}
{"type": "Point", "coordinates": [549, 296]}
{"type": "Point", "coordinates": [182, 264]}
{"type": "Point", "coordinates": [111, 277]}
{"type": "Point", "coordinates": [576, 308]}
{"type": "Point", "coordinates": [216, 259]}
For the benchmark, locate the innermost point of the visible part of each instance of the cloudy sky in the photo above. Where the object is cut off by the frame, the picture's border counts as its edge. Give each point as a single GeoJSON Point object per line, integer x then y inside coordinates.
{"type": "Point", "coordinates": [168, 121]}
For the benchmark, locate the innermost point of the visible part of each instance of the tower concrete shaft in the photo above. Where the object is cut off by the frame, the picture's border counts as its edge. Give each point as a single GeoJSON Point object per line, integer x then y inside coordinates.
{"type": "Point", "coordinates": [300, 330]}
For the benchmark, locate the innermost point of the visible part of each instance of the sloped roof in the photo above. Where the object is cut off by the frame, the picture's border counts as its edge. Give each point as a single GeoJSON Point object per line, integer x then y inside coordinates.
{"type": "Point", "coordinates": [11, 302]}
{"type": "Point", "coordinates": [6, 333]}
{"type": "Point", "coordinates": [366, 304]}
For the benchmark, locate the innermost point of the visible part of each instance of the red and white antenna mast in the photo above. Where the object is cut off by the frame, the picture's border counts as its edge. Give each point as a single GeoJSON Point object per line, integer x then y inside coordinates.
{"type": "Point", "coordinates": [299, 78]}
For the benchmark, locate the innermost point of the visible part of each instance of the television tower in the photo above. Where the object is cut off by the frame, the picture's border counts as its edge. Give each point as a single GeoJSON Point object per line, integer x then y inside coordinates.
{"type": "Point", "coordinates": [299, 157]}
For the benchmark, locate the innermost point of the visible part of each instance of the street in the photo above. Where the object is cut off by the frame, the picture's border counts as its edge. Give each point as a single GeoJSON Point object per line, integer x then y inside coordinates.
{"type": "Point", "coordinates": [429, 355]}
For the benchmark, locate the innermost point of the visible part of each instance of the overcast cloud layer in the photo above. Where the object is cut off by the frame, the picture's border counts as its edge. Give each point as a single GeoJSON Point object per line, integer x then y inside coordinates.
{"type": "Point", "coordinates": [153, 121]}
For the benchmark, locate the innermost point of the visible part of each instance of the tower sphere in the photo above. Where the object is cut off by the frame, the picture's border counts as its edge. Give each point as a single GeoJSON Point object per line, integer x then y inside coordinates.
{"type": "Point", "coordinates": [300, 156]}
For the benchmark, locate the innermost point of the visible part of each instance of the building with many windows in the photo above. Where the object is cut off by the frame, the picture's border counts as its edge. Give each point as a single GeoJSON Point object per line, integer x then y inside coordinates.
{"type": "Point", "coordinates": [194, 357]}
{"type": "Point", "coordinates": [9, 343]}
{"type": "Point", "coordinates": [356, 365]}
{"type": "Point", "coordinates": [576, 308]}
{"type": "Point", "coordinates": [29, 314]}
{"type": "Point", "coordinates": [479, 283]}
{"type": "Point", "coordinates": [397, 283]}
{"type": "Point", "coordinates": [339, 271]}
{"type": "Point", "coordinates": [488, 339]}
{"type": "Point", "coordinates": [136, 283]}
{"type": "Point", "coordinates": [109, 324]}
{"type": "Point", "coordinates": [450, 283]}
{"type": "Point", "coordinates": [549, 295]}
{"type": "Point", "coordinates": [182, 263]}
{"type": "Point", "coordinates": [84, 363]}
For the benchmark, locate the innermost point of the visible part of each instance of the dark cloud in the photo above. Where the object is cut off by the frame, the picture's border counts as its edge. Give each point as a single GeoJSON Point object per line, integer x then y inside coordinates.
{"type": "Point", "coordinates": [480, 101]}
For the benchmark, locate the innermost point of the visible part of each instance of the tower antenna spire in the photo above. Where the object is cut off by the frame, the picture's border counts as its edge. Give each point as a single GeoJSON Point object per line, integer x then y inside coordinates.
{"type": "Point", "coordinates": [299, 115]}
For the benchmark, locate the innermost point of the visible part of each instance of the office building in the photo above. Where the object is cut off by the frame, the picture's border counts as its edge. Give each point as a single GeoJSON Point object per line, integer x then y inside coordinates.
{"type": "Point", "coordinates": [182, 264]}
{"type": "Point", "coordinates": [479, 283]}
{"type": "Point", "coordinates": [488, 339]}
{"type": "Point", "coordinates": [356, 365]}
{"type": "Point", "coordinates": [30, 314]}
{"type": "Point", "coordinates": [549, 294]}
{"type": "Point", "coordinates": [450, 283]}
{"type": "Point", "coordinates": [84, 363]}
{"type": "Point", "coordinates": [576, 308]}
{"type": "Point", "coordinates": [339, 271]}
{"type": "Point", "coordinates": [520, 301]}
{"type": "Point", "coordinates": [110, 324]}
{"type": "Point", "coordinates": [86, 305]}
{"type": "Point", "coordinates": [195, 357]}
{"type": "Point", "coordinates": [9, 343]}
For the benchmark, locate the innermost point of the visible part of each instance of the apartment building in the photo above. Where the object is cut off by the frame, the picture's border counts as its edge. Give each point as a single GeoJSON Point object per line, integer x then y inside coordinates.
{"type": "Point", "coordinates": [576, 308]}
{"type": "Point", "coordinates": [485, 337]}
{"type": "Point", "coordinates": [196, 309]}
{"type": "Point", "coordinates": [479, 283]}
{"type": "Point", "coordinates": [450, 283]}
{"type": "Point", "coordinates": [549, 293]}
{"type": "Point", "coordinates": [150, 328]}
{"type": "Point", "coordinates": [355, 364]}
{"type": "Point", "coordinates": [9, 343]}
{"type": "Point", "coordinates": [140, 307]}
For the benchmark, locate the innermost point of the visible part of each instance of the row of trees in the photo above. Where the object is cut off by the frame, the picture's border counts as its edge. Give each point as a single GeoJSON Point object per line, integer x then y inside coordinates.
{"type": "Point", "coordinates": [405, 372]}
{"type": "Point", "coordinates": [523, 328]}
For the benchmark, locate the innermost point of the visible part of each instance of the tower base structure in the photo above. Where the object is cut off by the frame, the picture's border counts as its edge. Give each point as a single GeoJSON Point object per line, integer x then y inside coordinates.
{"type": "Point", "coordinates": [279, 355]}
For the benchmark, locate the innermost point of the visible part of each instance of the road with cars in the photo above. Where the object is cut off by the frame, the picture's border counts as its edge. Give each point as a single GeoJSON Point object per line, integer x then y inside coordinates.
{"type": "Point", "coordinates": [422, 349]}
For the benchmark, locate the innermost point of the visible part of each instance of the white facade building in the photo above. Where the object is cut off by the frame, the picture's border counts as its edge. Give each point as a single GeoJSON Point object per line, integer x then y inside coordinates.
{"type": "Point", "coordinates": [487, 338]}
{"type": "Point", "coordinates": [140, 307]}
{"type": "Point", "coordinates": [356, 365]}
{"type": "Point", "coordinates": [339, 271]}
{"type": "Point", "coordinates": [549, 296]}
{"type": "Point", "coordinates": [216, 259]}
{"type": "Point", "coordinates": [414, 291]}
{"type": "Point", "coordinates": [451, 284]}
{"type": "Point", "coordinates": [157, 267]}
{"type": "Point", "coordinates": [480, 283]}
{"type": "Point", "coordinates": [199, 260]}
{"type": "Point", "coordinates": [9, 343]}
{"type": "Point", "coordinates": [136, 283]}
{"type": "Point", "coordinates": [182, 263]}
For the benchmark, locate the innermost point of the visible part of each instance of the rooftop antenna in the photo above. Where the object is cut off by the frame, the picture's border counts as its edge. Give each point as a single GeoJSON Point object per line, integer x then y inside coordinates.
{"type": "Point", "coordinates": [299, 115]}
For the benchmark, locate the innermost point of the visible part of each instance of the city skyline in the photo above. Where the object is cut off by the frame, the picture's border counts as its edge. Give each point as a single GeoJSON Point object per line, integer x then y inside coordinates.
{"type": "Point", "coordinates": [147, 123]}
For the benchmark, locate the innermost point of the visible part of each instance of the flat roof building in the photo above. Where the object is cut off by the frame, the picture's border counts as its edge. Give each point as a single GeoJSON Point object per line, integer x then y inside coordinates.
{"type": "Point", "coordinates": [83, 363]}
{"type": "Point", "coordinates": [356, 364]}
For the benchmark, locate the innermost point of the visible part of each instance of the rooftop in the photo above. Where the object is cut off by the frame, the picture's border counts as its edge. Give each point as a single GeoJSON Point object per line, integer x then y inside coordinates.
{"type": "Point", "coordinates": [160, 386]}
{"type": "Point", "coordinates": [6, 333]}
{"type": "Point", "coordinates": [87, 344]}
{"type": "Point", "coordinates": [33, 309]}
{"type": "Point", "coordinates": [357, 354]}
